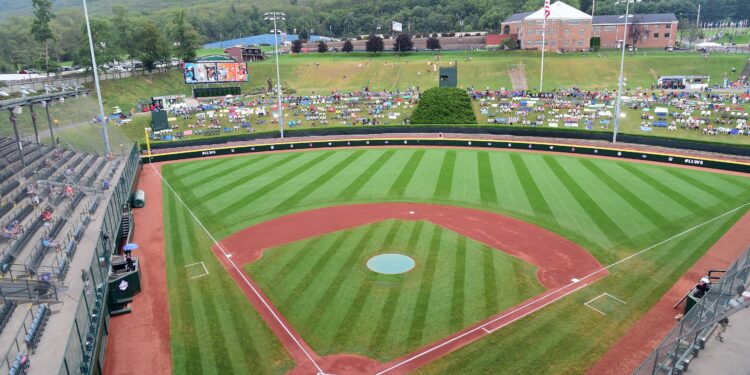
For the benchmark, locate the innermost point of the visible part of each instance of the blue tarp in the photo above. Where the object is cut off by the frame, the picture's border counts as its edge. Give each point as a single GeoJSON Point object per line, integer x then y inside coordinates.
{"type": "Point", "coordinates": [259, 39]}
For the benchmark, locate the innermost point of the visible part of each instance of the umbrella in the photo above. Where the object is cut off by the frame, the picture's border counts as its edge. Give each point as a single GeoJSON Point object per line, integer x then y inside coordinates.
{"type": "Point", "coordinates": [130, 246]}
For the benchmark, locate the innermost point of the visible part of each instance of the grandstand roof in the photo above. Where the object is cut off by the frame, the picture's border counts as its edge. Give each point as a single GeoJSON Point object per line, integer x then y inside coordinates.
{"type": "Point", "coordinates": [642, 18]}
{"type": "Point", "coordinates": [517, 17]}
{"type": "Point", "coordinates": [260, 39]}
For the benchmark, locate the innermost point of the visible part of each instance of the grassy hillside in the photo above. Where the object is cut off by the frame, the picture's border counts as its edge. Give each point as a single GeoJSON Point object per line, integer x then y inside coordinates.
{"type": "Point", "coordinates": [323, 73]}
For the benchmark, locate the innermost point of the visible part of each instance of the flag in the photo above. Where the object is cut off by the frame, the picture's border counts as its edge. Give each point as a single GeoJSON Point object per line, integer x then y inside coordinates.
{"type": "Point", "coordinates": [397, 26]}
{"type": "Point", "coordinates": [546, 9]}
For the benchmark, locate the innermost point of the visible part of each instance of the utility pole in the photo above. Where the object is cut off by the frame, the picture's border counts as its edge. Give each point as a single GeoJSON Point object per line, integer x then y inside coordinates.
{"type": "Point", "coordinates": [273, 16]}
{"type": "Point", "coordinates": [105, 137]}
{"type": "Point", "coordinates": [698, 18]}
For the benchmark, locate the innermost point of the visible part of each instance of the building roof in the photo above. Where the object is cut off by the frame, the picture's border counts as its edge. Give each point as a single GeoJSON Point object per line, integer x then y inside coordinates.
{"type": "Point", "coordinates": [559, 11]}
{"type": "Point", "coordinates": [642, 18]}
{"type": "Point", "coordinates": [518, 17]}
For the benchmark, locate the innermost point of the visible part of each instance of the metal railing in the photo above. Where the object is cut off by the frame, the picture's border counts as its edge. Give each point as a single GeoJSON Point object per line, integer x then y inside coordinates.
{"type": "Point", "coordinates": [689, 335]}
{"type": "Point", "coordinates": [92, 316]}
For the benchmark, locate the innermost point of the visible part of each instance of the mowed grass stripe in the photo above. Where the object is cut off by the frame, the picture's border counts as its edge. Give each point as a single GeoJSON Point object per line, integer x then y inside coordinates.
{"type": "Point", "coordinates": [402, 181]}
{"type": "Point", "coordinates": [698, 184]}
{"type": "Point", "coordinates": [187, 169]}
{"type": "Point", "coordinates": [355, 186]}
{"type": "Point", "coordinates": [206, 288]}
{"type": "Point", "coordinates": [187, 350]}
{"type": "Point", "coordinates": [487, 192]}
{"type": "Point", "coordinates": [676, 196]}
{"type": "Point", "coordinates": [324, 301]}
{"type": "Point", "coordinates": [651, 214]}
{"type": "Point", "coordinates": [308, 189]}
{"type": "Point", "coordinates": [419, 316]}
{"type": "Point", "coordinates": [459, 277]}
{"type": "Point", "coordinates": [243, 202]}
{"type": "Point", "coordinates": [389, 308]}
{"type": "Point", "coordinates": [290, 266]}
{"type": "Point", "coordinates": [491, 303]}
{"type": "Point", "coordinates": [354, 309]}
{"type": "Point", "coordinates": [310, 276]}
{"type": "Point", "coordinates": [233, 169]}
{"type": "Point", "coordinates": [536, 198]}
{"type": "Point", "coordinates": [600, 218]}
{"type": "Point", "coordinates": [738, 182]}
{"type": "Point", "coordinates": [235, 183]}
{"type": "Point", "coordinates": [445, 178]}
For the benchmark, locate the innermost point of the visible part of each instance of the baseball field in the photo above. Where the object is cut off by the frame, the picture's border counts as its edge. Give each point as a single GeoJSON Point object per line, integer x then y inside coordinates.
{"type": "Point", "coordinates": [267, 257]}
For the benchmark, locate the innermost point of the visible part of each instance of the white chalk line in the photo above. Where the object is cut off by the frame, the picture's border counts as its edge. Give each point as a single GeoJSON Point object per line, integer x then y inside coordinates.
{"type": "Point", "coordinates": [205, 270]}
{"type": "Point", "coordinates": [242, 275]}
{"type": "Point", "coordinates": [577, 280]}
{"type": "Point", "coordinates": [587, 303]}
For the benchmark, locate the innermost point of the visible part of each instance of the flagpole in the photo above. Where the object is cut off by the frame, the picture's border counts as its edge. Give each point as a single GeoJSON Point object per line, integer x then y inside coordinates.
{"type": "Point", "coordinates": [544, 34]}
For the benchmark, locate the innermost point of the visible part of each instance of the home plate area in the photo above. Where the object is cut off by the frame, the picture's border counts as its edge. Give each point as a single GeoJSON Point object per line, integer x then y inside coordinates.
{"type": "Point", "coordinates": [605, 304]}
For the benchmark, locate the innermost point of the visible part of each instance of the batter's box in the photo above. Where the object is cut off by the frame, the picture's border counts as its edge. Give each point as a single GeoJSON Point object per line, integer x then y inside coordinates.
{"type": "Point", "coordinates": [605, 303]}
{"type": "Point", "coordinates": [196, 270]}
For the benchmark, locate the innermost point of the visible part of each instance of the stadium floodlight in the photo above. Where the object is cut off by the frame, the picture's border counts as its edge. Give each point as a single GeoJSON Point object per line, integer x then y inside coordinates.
{"type": "Point", "coordinates": [277, 16]}
{"type": "Point", "coordinates": [105, 137]}
{"type": "Point", "coordinates": [618, 103]}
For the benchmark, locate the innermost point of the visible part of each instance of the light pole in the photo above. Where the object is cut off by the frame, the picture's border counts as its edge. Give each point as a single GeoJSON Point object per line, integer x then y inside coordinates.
{"type": "Point", "coordinates": [618, 103]}
{"type": "Point", "coordinates": [105, 137]}
{"type": "Point", "coordinates": [274, 16]}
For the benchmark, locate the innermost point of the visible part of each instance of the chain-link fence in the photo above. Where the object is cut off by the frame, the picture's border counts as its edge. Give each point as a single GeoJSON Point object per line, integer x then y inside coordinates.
{"type": "Point", "coordinates": [690, 334]}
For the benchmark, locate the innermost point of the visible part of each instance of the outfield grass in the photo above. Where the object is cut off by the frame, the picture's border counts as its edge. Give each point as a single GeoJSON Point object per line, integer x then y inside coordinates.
{"type": "Point", "coordinates": [323, 286]}
{"type": "Point", "coordinates": [611, 208]}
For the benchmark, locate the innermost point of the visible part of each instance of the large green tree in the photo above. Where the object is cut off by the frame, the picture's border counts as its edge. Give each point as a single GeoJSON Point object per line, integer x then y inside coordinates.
{"type": "Point", "coordinates": [40, 28]}
{"type": "Point", "coordinates": [184, 38]}
{"type": "Point", "coordinates": [153, 46]}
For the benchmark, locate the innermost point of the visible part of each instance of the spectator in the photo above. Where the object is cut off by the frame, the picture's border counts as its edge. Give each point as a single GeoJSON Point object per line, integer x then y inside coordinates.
{"type": "Point", "coordinates": [722, 328]}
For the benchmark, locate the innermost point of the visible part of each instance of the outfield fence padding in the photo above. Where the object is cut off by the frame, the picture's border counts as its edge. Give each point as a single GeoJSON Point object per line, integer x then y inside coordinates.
{"type": "Point", "coordinates": [445, 142]}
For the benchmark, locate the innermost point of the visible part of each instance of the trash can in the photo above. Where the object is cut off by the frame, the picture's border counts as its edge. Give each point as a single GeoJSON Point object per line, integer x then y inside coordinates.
{"type": "Point", "coordinates": [139, 198]}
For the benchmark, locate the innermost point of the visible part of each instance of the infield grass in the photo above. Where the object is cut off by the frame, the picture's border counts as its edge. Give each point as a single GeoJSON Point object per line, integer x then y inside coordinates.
{"type": "Point", "coordinates": [323, 286]}
{"type": "Point", "coordinates": [612, 208]}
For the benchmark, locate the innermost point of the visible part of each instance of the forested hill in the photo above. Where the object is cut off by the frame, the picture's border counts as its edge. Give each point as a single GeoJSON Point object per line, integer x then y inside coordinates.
{"type": "Point", "coordinates": [362, 16]}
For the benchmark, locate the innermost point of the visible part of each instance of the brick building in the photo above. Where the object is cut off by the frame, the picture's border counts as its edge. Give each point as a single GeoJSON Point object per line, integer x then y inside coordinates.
{"type": "Point", "coordinates": [570, 29]}
{"type": "Point", "coordinates": [567, 28]}
{"type": "Point", "coordinates": [656, 30]}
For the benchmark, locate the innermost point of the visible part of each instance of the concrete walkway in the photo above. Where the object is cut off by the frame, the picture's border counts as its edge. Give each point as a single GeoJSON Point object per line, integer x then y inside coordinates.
{"type": "Point", "coordinates": [729, 357]}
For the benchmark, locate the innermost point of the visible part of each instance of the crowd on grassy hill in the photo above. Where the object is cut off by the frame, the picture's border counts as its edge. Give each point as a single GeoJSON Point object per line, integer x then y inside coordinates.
{"type": "Point", "coordinates": [711, 113]}
{"type": "Point", "coordinates": [246, 113]}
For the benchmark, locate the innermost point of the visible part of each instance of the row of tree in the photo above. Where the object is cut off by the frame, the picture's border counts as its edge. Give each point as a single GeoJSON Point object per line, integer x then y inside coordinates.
{"type": "Point", "coordinates": [402, 43]}
{"type": "Point", "coordinates": [28, 42]}
{"type": "Point", "coordinates": [41, 43]}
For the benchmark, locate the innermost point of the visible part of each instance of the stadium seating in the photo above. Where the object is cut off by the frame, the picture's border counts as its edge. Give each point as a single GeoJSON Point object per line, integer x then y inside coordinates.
{"type": "Point", "coordinates": [5, 312]}
{"type": "Point", "coordinates": [34, 332]}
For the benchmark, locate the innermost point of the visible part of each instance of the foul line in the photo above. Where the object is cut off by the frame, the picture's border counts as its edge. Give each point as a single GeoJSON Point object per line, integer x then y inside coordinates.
{"type": "Point", "coordinates": [242, 275]}
{"type": "Point", "coordinates": [552, 292]}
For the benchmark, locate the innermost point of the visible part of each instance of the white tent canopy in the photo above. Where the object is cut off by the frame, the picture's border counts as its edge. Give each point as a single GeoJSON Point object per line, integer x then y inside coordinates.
{"type": "Point", "coordinates": [559, 11]}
